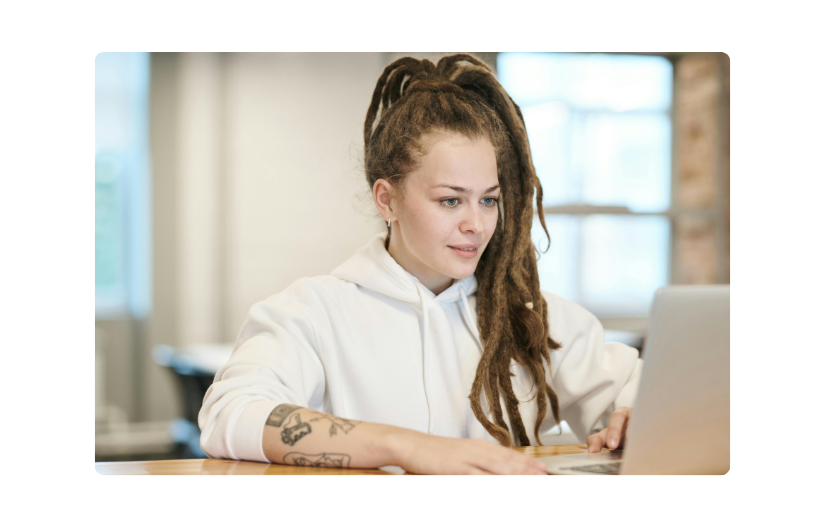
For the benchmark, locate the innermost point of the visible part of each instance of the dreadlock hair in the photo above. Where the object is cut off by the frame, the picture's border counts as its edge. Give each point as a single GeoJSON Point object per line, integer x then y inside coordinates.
{"type": "Point", "coordinates": [461, 95]}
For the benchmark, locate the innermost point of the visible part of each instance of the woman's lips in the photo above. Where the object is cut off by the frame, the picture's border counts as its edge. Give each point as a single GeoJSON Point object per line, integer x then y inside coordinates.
{"type": "Point", "coordinates": [465, 251]}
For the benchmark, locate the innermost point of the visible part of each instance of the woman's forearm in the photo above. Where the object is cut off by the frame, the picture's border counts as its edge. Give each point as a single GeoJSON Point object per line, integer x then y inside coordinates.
{"type": "Point", "coordinates": [299, 436]}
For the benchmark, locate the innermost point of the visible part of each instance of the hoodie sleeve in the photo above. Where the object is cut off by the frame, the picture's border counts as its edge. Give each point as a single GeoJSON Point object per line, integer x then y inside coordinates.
{"type": "Point", "coordinates": [590, 377]}
{"type": "Point", "coordinates": [274, 362]}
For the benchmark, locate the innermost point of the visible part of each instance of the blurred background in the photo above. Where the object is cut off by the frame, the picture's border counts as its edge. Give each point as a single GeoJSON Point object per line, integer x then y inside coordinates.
{"type": "Point", "coordinates": [221, 178]}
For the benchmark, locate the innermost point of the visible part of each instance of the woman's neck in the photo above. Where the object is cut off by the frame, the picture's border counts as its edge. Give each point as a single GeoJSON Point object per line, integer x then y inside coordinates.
{"type": "Point", "coordinates": [434, 281]}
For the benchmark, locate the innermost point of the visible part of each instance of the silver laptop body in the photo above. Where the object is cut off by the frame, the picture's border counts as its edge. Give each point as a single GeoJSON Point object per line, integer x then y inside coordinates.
{"type": "Point", "coordinates": [681, 419]}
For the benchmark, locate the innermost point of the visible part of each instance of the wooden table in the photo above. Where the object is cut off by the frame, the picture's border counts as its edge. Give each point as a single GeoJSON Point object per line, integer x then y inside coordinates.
{"type": "Point", "coordinates": [223, 467]}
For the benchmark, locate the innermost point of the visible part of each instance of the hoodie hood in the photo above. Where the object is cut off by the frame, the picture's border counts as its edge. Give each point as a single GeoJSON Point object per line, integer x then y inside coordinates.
{"type": "Point", "coordinates": [373, 268]}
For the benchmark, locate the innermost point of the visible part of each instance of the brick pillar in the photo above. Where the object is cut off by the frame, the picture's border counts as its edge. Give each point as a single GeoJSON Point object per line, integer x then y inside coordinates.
{"type": "Point", "coordinates": [701, 182]}
{"type": "Point", "coordinates": [726, 61]}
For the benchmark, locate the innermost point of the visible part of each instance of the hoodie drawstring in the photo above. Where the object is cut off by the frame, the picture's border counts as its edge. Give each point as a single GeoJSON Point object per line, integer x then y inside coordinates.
{"type": "Point", "coordinates": [467, 314]}
{"type": "Point", "coordinates": [426, 357]}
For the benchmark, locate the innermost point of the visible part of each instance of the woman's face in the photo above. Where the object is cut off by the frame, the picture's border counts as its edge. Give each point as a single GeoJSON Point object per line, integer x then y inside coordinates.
{"type": "Point", "coordinates": [448, 212]}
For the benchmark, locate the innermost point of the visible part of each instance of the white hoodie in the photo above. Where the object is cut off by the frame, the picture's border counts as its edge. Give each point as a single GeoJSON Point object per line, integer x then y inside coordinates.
{"type": "Point", "coordinates": [369, 342]}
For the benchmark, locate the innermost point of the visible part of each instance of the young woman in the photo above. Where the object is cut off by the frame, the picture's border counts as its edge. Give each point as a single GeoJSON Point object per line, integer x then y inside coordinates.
{"type": "Point", "coordinates": [432, 348]}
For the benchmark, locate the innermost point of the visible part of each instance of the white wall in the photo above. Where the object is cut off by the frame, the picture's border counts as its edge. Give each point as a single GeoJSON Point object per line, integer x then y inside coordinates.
{"type": "Point", "coordinates": [294, 147]}
{"type": "Point", "coordinates": [256, 166]}
{"type": "Point", "coordinates": [198, 201]}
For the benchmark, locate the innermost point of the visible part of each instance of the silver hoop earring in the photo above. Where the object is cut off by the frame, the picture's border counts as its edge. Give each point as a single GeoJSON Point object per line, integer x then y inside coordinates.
{"type": "Point", "coordinates": [389, 223]}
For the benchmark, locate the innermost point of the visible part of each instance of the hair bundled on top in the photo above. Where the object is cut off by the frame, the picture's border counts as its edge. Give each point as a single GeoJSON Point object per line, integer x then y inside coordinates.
{"type": "Point", "coordinates": [461, 95]}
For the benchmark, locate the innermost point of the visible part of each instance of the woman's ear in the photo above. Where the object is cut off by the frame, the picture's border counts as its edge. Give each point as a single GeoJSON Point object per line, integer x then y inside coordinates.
{"type": "Point", "coordinates": [382, 193]}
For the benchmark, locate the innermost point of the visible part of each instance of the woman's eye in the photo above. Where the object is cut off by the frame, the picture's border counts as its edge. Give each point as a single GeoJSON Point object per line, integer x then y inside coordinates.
{"type": "Point", "coordinates": [489, 201]}
{"type": "Point", "coordinates": [450, 202]}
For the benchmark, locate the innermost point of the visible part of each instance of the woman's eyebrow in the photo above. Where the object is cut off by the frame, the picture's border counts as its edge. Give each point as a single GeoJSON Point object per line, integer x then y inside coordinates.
{"type": "Point", "coordinates": [464, 190]}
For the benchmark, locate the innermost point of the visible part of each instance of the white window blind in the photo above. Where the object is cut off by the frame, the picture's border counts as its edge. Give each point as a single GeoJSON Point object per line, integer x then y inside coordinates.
{"type": "Point", "coordinates": [600, 133]}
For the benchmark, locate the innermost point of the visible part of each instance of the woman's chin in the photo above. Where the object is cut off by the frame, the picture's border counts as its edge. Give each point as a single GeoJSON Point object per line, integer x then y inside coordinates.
{"type": "Point", "coordinates": [462, 271]}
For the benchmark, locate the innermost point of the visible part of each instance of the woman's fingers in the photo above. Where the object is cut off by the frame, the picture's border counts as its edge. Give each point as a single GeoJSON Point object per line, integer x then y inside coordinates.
{"type": "Point", "coordinates": [624, 427]}
{"type": "Point", "coordinates": [614, 428]}
{"type": "Point", "coordinates": [510, 469]}
{"type": "Point", "coordinates": [475, 471]}
{"type": "Point", "coordinates": [613, 436]}
{"type": "Point", "coordinates": [511, 466]}
{"type": "Point", "coordinates": [523, 464]}
{"type": "Point", "coordinates": [501, 460]}
{"type": "Point", "coordinates": [595, 442]}
{"type": "Point", "coordinates": [617, 426]}
{"type": "Point", "coordinates": [438, 455]}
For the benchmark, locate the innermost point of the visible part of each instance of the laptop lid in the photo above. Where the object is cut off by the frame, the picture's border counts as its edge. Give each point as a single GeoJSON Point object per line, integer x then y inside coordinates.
{"type": "Point", "coordinates": [681, 418]}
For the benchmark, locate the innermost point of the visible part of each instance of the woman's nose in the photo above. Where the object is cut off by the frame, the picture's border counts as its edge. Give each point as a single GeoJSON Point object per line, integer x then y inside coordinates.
{"type": "Point", "coordinates": [472, 221]}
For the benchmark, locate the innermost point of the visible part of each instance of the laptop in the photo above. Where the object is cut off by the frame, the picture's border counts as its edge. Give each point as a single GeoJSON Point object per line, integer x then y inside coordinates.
{"type": "Point", "coordinates": [681, 419]}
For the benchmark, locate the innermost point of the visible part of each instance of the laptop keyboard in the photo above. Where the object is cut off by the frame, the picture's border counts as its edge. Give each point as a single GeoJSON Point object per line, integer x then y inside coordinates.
{"type": "Point", "coordinates": [603, 468]}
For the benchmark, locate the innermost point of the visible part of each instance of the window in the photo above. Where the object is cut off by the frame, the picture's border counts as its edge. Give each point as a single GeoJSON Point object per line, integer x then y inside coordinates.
{"type": "Point", "coordinates": [600, 134]}
{"type": "Point", "coordinates": [121, 185]}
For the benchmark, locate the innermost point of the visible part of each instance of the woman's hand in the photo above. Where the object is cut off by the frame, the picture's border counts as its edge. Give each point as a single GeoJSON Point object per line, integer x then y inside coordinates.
{"type": "Point", "coordinates": [613, 436]}
{"type": "Point", "coordinates": [424, 454]}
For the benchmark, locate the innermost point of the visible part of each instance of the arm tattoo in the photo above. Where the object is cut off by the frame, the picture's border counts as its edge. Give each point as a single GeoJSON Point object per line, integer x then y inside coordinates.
{"type": "Point", "coordinates": [294, 429]}
{"type": "Point", "coordinates": [277, 416]}
{"type": "Point", "coordinates": [325, 459]}
{"type": "Point", "coordinates": [337, 424]}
